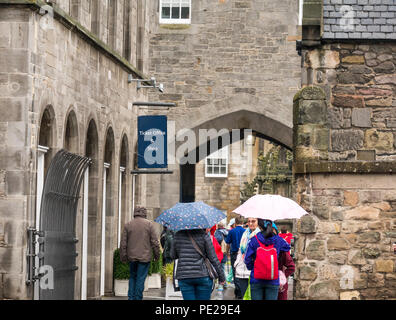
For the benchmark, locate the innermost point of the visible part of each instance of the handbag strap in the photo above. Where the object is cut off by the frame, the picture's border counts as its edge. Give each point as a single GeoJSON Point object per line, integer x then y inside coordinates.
{"type": "Point", "coordinates": [196, 246]}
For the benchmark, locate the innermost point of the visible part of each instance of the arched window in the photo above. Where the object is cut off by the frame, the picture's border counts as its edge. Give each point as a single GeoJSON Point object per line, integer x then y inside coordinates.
{"type": "Point", "coordinates": [71, 134]}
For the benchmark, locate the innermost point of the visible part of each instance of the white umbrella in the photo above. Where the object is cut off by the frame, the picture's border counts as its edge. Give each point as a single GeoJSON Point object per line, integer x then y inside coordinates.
{"type": "Point", "coordinates": [270, 207]}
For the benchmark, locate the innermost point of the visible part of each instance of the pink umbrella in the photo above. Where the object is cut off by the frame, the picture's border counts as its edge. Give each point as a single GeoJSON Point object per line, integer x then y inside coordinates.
{"type": "Point", "coordinates": [270, 207]}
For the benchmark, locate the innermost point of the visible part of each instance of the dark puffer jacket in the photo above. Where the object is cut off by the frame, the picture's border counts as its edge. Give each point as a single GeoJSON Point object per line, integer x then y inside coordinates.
{"type": "Point", "coordinates": [190, 263]}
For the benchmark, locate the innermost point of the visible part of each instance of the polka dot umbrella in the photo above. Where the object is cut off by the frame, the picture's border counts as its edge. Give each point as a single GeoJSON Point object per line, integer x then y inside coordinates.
{"type": "Point", "coordinates": [188, 216]}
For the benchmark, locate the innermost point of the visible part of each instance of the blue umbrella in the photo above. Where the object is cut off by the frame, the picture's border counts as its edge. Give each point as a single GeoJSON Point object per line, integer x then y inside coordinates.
{"type": "Point", "coordinates": [188, 216]}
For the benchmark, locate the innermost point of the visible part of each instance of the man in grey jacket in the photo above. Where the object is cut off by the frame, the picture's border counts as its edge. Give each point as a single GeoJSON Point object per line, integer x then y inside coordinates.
{"type": "Point", "coordinates": [139, 240]}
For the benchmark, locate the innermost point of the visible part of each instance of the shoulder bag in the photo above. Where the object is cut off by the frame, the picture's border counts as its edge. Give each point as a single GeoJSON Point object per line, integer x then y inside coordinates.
{"type": "Point", "coordinates": [211, 270]}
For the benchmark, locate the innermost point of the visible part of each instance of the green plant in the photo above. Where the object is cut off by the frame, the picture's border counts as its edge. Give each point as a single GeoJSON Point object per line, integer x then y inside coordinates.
{"type": "Point", "coordinates": [120, 269]}
{"type": "Point", "coordinates": [167, 270]}
{"type": "Point", "coordinates": [155, 266]}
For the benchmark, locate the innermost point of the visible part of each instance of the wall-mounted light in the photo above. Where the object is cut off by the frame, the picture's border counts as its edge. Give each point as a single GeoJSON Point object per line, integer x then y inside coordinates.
{"type": "Point", "coordinates": [251, 140]}
{"type": "Point", "coordinates": [152, 81]}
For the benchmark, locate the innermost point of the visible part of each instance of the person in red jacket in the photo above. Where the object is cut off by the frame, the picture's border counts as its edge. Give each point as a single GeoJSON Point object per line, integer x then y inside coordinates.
{"type": "Point", "coordinates": [286, 264]}
{"type": "Point", "coordinates": [286, 235]}
{"type": "Point", "coordinates": [216, 244]}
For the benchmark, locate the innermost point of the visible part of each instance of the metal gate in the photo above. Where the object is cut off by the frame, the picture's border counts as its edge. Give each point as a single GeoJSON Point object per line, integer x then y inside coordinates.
{"type": "Point", "coordinates": [57, 223]}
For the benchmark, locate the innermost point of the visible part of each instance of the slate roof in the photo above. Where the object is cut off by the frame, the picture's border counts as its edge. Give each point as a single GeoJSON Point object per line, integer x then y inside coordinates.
{"type": "Point", "coordinates": [359, 19]}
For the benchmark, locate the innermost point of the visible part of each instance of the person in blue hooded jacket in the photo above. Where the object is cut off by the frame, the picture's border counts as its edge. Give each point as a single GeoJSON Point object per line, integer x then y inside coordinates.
{"type": "Point", "coordinates": [264, 289]}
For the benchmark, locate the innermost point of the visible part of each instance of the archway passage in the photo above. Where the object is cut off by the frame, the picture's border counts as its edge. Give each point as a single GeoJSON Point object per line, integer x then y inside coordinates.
{"type": "Point", "coordinates": [223, 133]}
{"type": "Point", "coordinates": [58, 225]}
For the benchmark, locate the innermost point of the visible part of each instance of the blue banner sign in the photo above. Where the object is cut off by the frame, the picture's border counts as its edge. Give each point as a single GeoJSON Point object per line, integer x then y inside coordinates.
{"type": "Point", "coordinates": [152, 142]}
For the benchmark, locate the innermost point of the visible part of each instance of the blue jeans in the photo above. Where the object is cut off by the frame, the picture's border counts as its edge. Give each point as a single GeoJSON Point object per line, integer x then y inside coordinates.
{"type": "Point", "coordinates": [264, 291]}
{"type": "Point", "coordinates": [196, 288]}
{"type": "Point", "coordinates": [139, 271]}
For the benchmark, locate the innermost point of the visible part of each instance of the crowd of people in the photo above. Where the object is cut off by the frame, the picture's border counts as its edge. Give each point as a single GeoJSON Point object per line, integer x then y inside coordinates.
{"type": "Point", "coordinates": [258, 253]}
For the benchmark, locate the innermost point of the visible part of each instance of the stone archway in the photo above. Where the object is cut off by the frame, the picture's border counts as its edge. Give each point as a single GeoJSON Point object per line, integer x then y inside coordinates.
{"type": "Point", "coordinates": [280, 132]}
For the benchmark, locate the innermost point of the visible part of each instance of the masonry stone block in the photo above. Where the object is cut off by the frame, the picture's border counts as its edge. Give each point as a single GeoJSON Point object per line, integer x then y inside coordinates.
{"type": "Point", "coordinates": [316, 250]}
{"type": "Point", "coordinates": [369, 237]}
{"type": "Point", "coordinates": [326, 290]}
{"type": "Point", "coordinates": [351, 198]}
{"type": "Point", "coordinates": [336, 118]}
{"type": "Point", "coordinates": [335, 257]}
{"type": "Point", "coordinates": [362, 213]}
{"type": "Point", "coordinates": [307, 224]}
{"type": "Point", "coordinates": [14, 286]}
{"type": "Point", "coordinates": [361, 117]}
{"type": "Point", "coordinates": [346, 101]}
{"type": "Point", "coordinates": [307, 273]}
{"type": "Point", "coordinates": [355, 59]}
{"type": "Point", "coordinates": [312, 111]}
{"type": "Point", "coordinates": [343, 140]}
{"type": "Point", "coordinates": [384, 266]}
{"type": "Point", "coordinates": [12, 110]}
{"type": "Point", "coordinates": [337, 243]}
{"type": "Point", "coordinates": [356, 257]}
{"type": "Point", "coordinates": [379, 140]}
{"type": "Point", "coordinates": [16, 134]}
{"type": "Point", "coordinates": [365, 155]}
{"type": "Point", "coordinates": [17, 61]}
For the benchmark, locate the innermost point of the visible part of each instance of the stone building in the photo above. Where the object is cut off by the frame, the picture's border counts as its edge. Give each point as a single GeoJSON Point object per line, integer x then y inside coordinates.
{"type": "Point", "coordinates": [229, 65]}
{"type": "Point", "coordinates": [63, 85]}
{"type": "Point", "coordinates": [64, 72]}
{"type": "Point", "coordinates": [345, 151]}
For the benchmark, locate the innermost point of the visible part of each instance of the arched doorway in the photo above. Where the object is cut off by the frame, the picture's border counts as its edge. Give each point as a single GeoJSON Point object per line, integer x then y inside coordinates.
{"type": "Point", "coordinates": [45, 151]}
{"type": "Point", "coordinates": [108, 219]}
{"type": "Point", "coordinates": [57, 242]}
{"type": "Point", "coordinates": [71, 144]}
{"type": "Point", "coordinates": [91, 252]}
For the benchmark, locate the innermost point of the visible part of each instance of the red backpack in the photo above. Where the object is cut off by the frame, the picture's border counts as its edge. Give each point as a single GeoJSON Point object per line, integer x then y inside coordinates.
{"type": "Point", "coordinates": [266, 264]}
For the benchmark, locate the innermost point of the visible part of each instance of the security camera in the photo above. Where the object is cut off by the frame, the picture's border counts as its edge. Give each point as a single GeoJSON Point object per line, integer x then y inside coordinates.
{"type": "Point", "coordinates": [161, 87]}
{"type": "Point", "coordinates": [130, 78]}
{"type": "Point", "coordinates": [43, 11]}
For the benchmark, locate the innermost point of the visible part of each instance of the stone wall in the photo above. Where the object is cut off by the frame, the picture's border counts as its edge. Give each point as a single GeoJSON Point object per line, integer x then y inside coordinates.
{"type": "Point", "coordinates": [344, 248]}
{"type": "Point", "coordinates": [359, 83]}
{"type": "Point", "coordinates": [235, 66]}
{"type": "Point", "coordinates": [113, 21]}
{"type": "Point", "coordinates": [58, 70]}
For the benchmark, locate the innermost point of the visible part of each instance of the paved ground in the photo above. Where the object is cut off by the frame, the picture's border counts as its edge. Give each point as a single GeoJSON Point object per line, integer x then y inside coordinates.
{"type": "Point", "coordinates": [159, 294]}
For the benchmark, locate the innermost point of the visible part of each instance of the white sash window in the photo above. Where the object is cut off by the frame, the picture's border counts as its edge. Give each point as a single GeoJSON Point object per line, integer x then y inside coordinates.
{"type": "Point", "coordinates": [216, 164]}
{"type": "Point", "coordinates": [175, 11]}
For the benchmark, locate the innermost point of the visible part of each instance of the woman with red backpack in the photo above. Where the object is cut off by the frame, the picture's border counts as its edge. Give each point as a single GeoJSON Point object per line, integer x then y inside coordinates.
{"type": "Point", "coordinates": [262, 259]}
